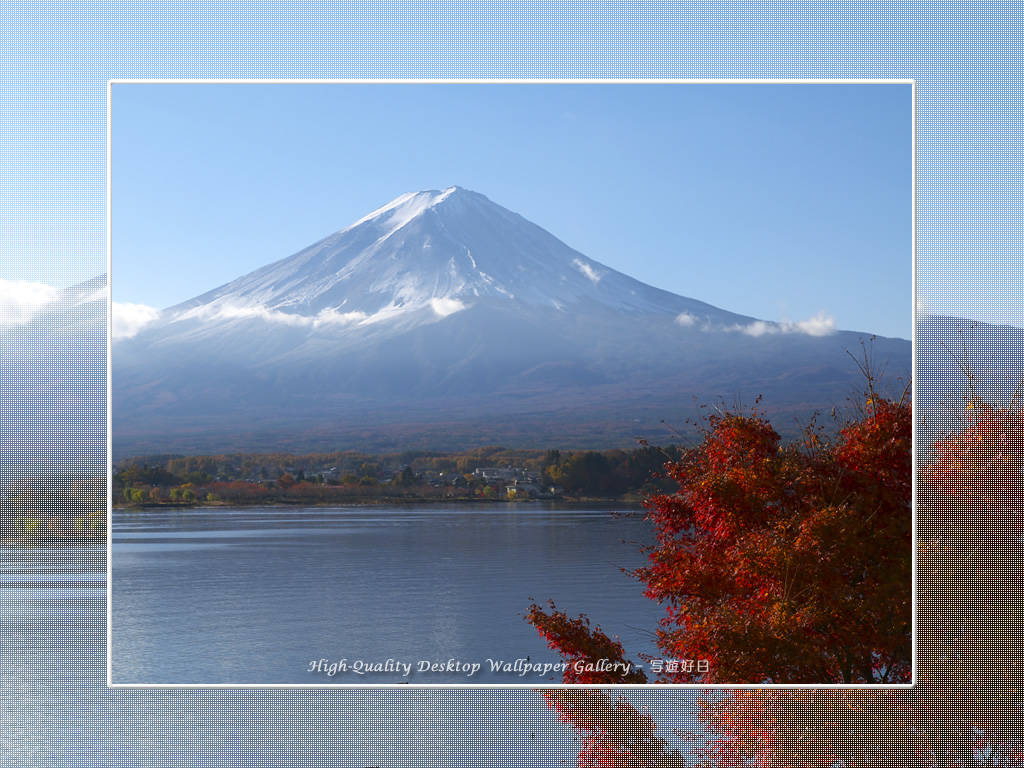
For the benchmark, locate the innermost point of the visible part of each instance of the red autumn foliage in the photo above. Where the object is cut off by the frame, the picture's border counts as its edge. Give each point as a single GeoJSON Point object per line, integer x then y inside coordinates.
{"type": "Point", "coordinates": [966, 707]}
{"type": "Point", "coordinates": [781, 563]}
{"type": "Point", "coordinates": [614, 733]}
{"type": "Point", "coordinates": [788, 563]}
{"type": "Point", "coordinates": [592, 656]}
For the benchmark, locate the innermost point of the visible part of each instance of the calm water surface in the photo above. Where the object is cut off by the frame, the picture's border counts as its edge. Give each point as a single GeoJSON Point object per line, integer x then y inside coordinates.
{"type": "Point", "coordinates": [58, 711]}
{"type": "Point", "coordinates": [364, 595]}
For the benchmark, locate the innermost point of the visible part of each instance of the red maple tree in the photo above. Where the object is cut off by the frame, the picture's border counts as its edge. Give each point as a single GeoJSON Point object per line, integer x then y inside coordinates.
{"type": "Point", "coordinates": [779, 563]}
{"type": "Point", "coordinates": [966, 707]}
{"type": "Point", "coordinates": [614, 734]}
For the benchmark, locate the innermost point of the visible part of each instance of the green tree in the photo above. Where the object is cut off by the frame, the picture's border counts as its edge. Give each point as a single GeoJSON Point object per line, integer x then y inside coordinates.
{"type": "Point", "coordinates": [584, 473]}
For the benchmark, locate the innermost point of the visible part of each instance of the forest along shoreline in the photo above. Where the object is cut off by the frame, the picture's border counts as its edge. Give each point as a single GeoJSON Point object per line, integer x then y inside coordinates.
{"type": "Point", "coordinates": [491, 474]}
{"type": "Point", "coordinates": [52, 510]}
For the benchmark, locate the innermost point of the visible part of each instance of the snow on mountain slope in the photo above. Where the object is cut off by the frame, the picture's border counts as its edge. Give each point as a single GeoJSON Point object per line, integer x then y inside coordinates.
{"type": "Point", "coordinates": [442, 307]}
{"type": "Point", "coordinates": [432, 253]}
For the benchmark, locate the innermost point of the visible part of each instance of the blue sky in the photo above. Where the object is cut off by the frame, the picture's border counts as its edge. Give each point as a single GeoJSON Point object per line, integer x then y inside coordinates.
{"type": "Point", "coordinates": [778, 201]}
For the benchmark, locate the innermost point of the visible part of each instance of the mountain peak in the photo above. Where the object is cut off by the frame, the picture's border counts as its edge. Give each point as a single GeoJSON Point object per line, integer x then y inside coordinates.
{"type": "Point", "coordinates": [422, 257]}
{"type": "Point", "coordinates": [406, 207]}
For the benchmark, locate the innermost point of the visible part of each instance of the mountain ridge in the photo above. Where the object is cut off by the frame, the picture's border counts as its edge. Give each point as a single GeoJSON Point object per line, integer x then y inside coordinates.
{"type": "Point", "coordinates": [442, 306]}
{"type": "Point", "coordinates": [436, 249]}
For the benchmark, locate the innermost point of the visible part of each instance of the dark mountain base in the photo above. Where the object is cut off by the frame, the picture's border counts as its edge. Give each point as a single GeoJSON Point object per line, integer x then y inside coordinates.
{"type": "Point", "coordinates": [565, 415]}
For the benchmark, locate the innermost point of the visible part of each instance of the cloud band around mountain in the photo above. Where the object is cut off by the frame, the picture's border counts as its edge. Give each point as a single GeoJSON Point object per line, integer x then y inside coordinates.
{"type": "Point", "coordinates": [135, 316]}
{"type": "Point", "coordinates": [129, 319]}
{"type": "Point", "coordinates": [21, 301]}
{"type": "Point", "coordinates": [819, 325]}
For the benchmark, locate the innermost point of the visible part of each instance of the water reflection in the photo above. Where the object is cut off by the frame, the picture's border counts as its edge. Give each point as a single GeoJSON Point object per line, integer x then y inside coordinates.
{"type": "Point", "coordinates": [58, 711]}
{"type": "Point", "coordinates": [255, 595]}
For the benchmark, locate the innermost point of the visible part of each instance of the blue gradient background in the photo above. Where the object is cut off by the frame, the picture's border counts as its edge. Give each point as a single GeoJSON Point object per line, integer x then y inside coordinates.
{"type": "Point", "coordinates": [803, 192]}
{"type": "Point", "coordinates": [55, 60]}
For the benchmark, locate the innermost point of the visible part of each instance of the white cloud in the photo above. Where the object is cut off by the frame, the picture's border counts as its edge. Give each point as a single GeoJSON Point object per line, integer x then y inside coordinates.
{"type": "Point", "coordinates": [334, 317]}
{"type": "Point", "coordinates": [23, 300]}
{"type": "Point", "coordinates": [231, 312]}
{"type": "Point", "coordinates": [759, 328]}
{"type": "Point", "coordinates": [445, 307]}
{"type": "Point", "coordinates": [235, 311]}
{"type": "Point", "coordinates": [587, 271]}
{"type": "Point", "coordinates": [129, 319]}
{"type": "Point", "coordinates": [687, 320]}
{"type": "Point", "coordinates": [323, 319]}
{"type": "Point", "coordinates": [819, 325]}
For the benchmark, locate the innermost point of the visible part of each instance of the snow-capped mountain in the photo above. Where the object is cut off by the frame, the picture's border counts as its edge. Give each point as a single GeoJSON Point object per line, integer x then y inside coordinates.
{"type": "Point", "coordinates": [442, 307]}
{"type": "Point", "coordinates": [422, 257]}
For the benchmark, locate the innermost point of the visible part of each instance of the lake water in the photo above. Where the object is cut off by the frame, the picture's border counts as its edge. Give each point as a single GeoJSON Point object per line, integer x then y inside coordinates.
{"type": "Point", "coordinates": [58, 711]}
{"type": "Point", "coordinates": [423, 595]}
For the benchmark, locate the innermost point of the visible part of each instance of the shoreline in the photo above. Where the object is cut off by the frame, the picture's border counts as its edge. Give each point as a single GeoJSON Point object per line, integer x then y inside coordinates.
{"type": "Point", "coordinates": [384, 501]}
